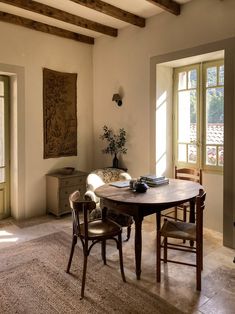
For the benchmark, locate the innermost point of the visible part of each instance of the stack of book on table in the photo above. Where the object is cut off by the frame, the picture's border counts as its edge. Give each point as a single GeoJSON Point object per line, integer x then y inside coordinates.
{"type": "Point", "coordinates": [153, 180]}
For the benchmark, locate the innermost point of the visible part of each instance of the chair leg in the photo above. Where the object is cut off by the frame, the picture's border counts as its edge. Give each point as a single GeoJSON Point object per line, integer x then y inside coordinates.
{"type": "Point", "coordinates": [201, 258]}
{"type": "Point", "coordinates": [176, 213]}
{"type": "Point", "coordinates": [103, 251]}
{"type": "Point", "coordinates": [121, 257]}
{"type": "Point", "coordinates": [198, 278]}
{"type": "Point", "coordinates": [184, 217]}
{"type": "Point", "coordinates": [71, 253]}
{"type": "Point", "coordinates": [84, 275]}
{"type": "Point", "coordinates": [128, 233]}
{"type": "Point", "coordinates": [198, 265]}
{"type": "Point", "coordinates": [158, 247]}
{"type": "Point", "coordinates": [201, 245]}
{"type": "Point", "coordinates": [165, 250]}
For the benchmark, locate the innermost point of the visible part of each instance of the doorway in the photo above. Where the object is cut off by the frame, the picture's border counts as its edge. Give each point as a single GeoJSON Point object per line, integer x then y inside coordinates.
{"type": "Point", "coordinates": [4, 147]}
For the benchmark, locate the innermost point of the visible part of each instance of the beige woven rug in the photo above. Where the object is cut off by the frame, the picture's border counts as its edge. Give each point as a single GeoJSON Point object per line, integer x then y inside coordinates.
{"type": "Point", "coordinates": [33, 280]}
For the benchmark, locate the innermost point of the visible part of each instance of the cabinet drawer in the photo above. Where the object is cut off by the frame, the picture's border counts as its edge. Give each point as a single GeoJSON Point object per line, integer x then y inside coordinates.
{"type": "Point", "coordinates": [65, 192]}
{"type": "Point", "coordinates": [64, 207]}
{"type": "Point", "coordinates": [59, 187]}
{"type": "Point", "coordinates": [72, 181]}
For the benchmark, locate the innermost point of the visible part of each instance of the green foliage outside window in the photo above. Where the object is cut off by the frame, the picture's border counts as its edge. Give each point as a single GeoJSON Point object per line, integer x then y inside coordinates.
{"type": "Point", "coordinates": [216, 107]}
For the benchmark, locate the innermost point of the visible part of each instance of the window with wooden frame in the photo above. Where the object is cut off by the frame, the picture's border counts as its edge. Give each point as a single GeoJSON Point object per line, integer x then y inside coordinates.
{"type": "Point", "coordinates": [199, 115]}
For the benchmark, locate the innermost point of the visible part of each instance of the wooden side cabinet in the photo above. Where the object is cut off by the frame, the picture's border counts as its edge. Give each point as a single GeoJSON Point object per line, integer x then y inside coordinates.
{"type": "Point", "coordinates": [59, 187]}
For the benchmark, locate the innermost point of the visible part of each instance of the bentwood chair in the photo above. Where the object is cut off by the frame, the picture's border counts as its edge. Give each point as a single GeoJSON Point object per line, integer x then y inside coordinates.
{"type": "Point", "coordinates": [95, 231]}
{"type": "Point", "coordinates": [100, 177]}
{"type": "Point", "coordinates": [186, 231]}
{"type": "Point", "coordinates": [190, 174]}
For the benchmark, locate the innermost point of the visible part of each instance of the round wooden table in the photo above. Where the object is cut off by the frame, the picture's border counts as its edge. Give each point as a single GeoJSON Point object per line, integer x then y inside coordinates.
{"type": "Point", "coordinates": [153, 201]}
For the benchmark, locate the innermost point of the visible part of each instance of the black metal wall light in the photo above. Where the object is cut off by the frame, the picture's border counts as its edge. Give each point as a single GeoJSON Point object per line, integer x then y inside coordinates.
{"type": "Point", "coordinates": [117, 98]}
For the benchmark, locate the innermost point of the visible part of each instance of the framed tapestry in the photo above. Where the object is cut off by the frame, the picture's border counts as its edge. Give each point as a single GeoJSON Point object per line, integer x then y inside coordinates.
{"type": "Point", "coordinates": [59, 114]}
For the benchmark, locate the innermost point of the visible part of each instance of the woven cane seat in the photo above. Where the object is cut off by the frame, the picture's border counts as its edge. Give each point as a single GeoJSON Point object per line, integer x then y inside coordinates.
{"type": "Point", "coordinates": [179, 230]}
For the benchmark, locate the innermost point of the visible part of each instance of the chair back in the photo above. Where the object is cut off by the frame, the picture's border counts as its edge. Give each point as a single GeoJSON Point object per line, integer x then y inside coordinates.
{"type": "Point", "coordinates": [188, 174]}
{"type": "Point", "coordinates": [200, 206]}
{"type": "Point", "coordinates": [83, 207]}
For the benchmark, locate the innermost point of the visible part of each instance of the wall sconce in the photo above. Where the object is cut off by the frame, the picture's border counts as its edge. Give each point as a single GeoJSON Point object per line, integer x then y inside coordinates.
{"type": "Point", "coordinates": [118, 99]}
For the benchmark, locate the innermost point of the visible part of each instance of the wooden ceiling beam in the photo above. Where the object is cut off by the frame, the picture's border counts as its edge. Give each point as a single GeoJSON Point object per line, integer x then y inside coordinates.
{"type": "Point", "coordinates": [52, 12]}
{"type": "Point", "coordinates": [167, 5]}
{"type": "Point", "coordinates": [45, 28]}
{"type": "Point", "coordinates": [113, 11]}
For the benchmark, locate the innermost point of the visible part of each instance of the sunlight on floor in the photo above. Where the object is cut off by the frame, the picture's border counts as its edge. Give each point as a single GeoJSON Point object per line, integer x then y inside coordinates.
{"type": "Point", "coordinates": [7, 237]}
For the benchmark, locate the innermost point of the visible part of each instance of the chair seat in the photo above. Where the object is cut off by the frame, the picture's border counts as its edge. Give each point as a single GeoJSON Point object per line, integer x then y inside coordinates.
{"type": "Point", "coordinates": [99, 228]}
{"type": "Point", "coordinates": [183, 231]}
{"type": "Point", "coordinates": [179, 230]}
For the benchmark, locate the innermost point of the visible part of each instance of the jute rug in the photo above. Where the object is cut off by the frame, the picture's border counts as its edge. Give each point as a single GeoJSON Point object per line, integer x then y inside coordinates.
{"type": "Point", "coordinates": [33, 280]}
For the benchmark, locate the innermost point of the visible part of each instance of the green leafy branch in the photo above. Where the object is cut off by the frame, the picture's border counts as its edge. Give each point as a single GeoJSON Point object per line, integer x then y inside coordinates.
{"type": "Point", "coordinates": [116, 142]}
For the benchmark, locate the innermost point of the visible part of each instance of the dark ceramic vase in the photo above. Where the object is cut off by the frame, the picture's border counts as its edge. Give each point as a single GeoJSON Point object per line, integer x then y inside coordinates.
{"type": "Point", "coordinates": [115, 161]}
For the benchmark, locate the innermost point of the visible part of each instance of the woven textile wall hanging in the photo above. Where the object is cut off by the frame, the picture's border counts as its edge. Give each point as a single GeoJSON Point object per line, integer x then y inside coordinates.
{"type": "Point", "coordinates": [59, 114]}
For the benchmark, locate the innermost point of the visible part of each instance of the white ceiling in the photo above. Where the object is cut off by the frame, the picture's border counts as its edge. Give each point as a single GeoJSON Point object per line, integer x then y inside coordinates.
{"type": "Point", "coordinates": [141, 8]}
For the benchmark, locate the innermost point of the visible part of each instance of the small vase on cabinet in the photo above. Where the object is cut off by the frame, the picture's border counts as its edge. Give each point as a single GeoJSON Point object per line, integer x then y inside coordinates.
{"type": "Point", "coordinates": [115, 161]}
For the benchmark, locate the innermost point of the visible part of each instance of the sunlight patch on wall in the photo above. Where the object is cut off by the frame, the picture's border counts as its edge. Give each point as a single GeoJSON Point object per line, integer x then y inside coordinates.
{"type": "Point", "coordinates": [161, 133]}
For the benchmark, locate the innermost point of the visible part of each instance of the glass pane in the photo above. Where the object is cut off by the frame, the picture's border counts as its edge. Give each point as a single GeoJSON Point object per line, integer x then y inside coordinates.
{"type": "Point", "coordinates": [221, 75]}
{"type": "Point", "coordinates": [221, 156]}
{"type": "Point", "coordinates": [211, 155]}
{"type": "Point", "coordinates": [192, 79]}
{"type": "Point", "coordinates": [182, 156]}
{"type": "Point", "coordinates": [215, 115]}
{"type": "Point", "coordinates": [2, 133]}
{"type": "Point", "coordinates": [187, 116]}
{"type": "Point", "coordinates": [182, 80]}
{"type": "Point", "coordinates": [192, 154]}
{"type": "Point", "coordinates": [2, 175]}
{"type": "Point", "coordinates": [1, 88]}
{"type": "Point", "coordinates": [211, 76]}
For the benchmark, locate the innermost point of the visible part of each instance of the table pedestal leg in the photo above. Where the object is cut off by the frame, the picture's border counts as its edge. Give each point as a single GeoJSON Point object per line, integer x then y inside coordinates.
{"type": "Point", "coordinates": [158, 248]}
{"type": "Point", "coordinates": [138, 246]}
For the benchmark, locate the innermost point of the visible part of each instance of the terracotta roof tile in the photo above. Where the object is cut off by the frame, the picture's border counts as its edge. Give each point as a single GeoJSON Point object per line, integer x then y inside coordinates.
{"type": "Point", "coordinates": [215, 134]}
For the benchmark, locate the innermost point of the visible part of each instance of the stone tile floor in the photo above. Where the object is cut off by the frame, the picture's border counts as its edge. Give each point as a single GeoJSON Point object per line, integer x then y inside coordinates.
{"type": "Point", "coordinates": [178, 282]}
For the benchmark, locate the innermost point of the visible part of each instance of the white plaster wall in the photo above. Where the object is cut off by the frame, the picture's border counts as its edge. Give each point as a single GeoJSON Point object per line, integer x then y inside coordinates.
{"type": "Point", "coordinates": [213, 214]}
{"type": "Point", "coordinates": [34, 50]}
{"type": "Point", "coordinates": [124, 63]}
